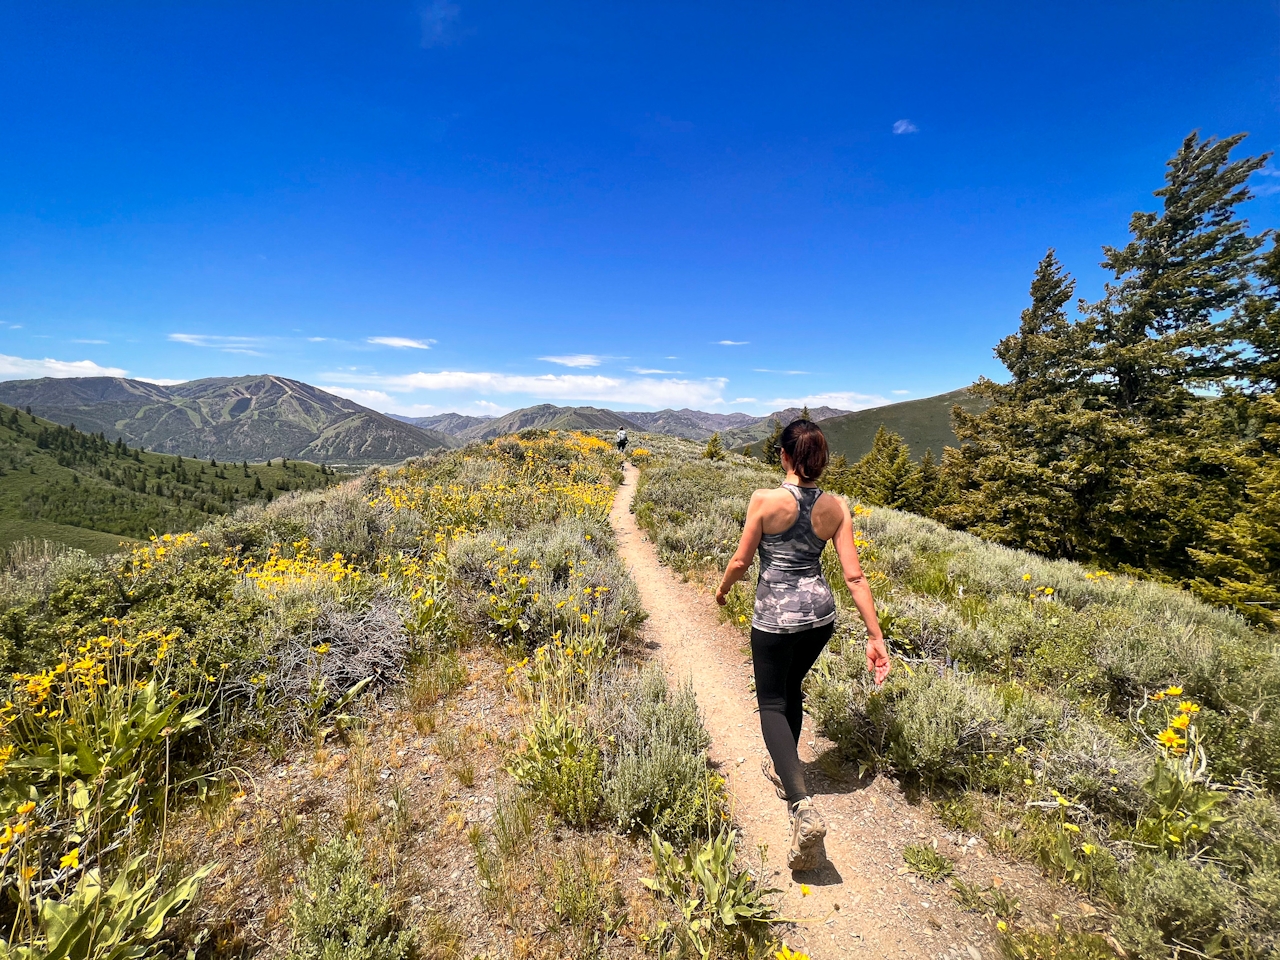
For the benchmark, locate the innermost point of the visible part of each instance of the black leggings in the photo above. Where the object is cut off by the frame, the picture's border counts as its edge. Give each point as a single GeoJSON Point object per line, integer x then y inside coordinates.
{"type": "Point", "coordinates": [781, 661]}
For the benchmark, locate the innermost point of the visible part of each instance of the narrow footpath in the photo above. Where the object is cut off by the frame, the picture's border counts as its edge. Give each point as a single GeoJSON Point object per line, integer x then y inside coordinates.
{"type": "Point", "coordinates": [863, 903]}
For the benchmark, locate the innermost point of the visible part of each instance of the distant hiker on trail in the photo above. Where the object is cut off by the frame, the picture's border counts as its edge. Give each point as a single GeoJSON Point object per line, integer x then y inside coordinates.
{"type": "Point", "coordinates": [622, 440]}
{"type": "Point", "coordinates": [795, 614]}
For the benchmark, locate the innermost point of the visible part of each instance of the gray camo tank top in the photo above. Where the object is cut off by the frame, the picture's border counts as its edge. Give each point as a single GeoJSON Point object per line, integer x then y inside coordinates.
{"type": "Point", "coordinates": [792, 594]}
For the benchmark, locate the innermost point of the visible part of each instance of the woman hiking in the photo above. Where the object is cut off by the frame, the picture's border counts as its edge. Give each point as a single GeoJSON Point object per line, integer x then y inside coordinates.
{"type": "Point", "coordinates": [795, 614]}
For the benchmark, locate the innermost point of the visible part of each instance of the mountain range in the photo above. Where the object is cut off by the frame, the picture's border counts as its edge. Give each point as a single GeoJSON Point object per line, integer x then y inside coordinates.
{"type": "Point", "coordinates": [263, 417]}
{"type": "Point", "coordinates": [734, 428]}
{"type": "Point", "coordinates": [229, 418]}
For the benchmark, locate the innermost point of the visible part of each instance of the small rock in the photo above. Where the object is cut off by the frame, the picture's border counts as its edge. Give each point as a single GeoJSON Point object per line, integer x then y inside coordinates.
{"type": "Point", "coordinates": [974, 952]}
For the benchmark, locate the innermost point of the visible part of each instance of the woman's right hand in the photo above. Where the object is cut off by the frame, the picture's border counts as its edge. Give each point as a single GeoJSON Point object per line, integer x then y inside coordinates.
{"type": "Point", "coordinates": [877, 658]}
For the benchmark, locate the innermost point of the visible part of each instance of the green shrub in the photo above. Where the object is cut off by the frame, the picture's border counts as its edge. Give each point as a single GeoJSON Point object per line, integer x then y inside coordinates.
{"type": "Point", "coordinates": [656, 775]}
{"type": "Point", "coordinates": [722, 910]}
{"type": "Point", "coordinates": [942, 727]}
{"type": "Point", "coordinates": [1172, 901]}
{"type": "Point", "coordinates": [561, 762]}
{"type": "Point", "coordinates": [342, 913]}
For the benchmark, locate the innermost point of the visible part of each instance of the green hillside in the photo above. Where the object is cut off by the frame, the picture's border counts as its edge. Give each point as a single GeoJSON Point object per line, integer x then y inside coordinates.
{"type": "Point", "coordinates": [91, 542]}
{"type": "Point", "coordinates": [228, 418]}
{"type": "Point", "coordinates": [924, 424]}
{"type": "Point", "coordinates": [79, 488]}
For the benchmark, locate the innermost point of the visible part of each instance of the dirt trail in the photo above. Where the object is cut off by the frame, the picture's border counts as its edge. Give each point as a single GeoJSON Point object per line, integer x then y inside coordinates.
{"type": "Point", "coordinates": [861, 904]}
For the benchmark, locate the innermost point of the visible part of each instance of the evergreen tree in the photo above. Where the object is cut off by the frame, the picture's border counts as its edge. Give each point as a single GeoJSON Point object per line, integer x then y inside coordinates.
{"type": "Point", "coordinates": [804, 413]}
{"type": "Point", "coordinates": [770, 454]}
{"type": "Point", "coordinates": [1022, 465]}
{"type": "Point", "coordinates": [1257, 326]}
{"type": "Point", "coordinates": [1240, 564]}
{"type": "Point", "coordinates": [931, 485]}
{"type": "Point", "coordinates": [715, 449]}
{"type": "Point", "coordinates": [1159, 327]}
{"type": "Point", "coordinates": [887, 476]}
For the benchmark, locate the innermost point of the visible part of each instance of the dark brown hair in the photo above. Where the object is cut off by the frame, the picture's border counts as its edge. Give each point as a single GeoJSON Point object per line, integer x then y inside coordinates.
{"type": "Point", "coordinates": [806, 447]}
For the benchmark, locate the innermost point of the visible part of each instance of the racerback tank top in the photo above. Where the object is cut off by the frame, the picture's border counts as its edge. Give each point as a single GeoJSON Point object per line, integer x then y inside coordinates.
{"type": "Point", "coordinates": [792, 594]}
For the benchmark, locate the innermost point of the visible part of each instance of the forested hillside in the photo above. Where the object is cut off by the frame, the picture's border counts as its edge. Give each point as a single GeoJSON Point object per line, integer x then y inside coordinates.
{"type": "Point", "coordinates": [51, 474]}
{"type": "Point", "coordinates": [228, 418]}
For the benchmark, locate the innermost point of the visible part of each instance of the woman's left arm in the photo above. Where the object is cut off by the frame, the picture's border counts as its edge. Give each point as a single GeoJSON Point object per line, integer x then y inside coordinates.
{"type": "Point", "coordinates": [752, 530]}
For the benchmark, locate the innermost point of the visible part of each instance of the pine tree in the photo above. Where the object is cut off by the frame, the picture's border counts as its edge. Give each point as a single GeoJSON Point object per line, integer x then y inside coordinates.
{"type": "Point", "coordinates": [1159, 328]}
{"type": "Point", "coordinates": [804, 413]}
{"type": "Point", "coordinates": [1257, 326]}
{"type": "Point", "coordinates": [1021, 466]}
{"type": "Point", "coordinates": [715, 449]}
{"type": "Point", "coordinates": [770, 453]}
{"type": "Point", "coordinates": [887, 476]}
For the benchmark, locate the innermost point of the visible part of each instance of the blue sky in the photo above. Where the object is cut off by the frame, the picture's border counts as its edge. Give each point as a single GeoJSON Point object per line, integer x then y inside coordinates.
{"type": "Point", "coordinates": [475, 206]}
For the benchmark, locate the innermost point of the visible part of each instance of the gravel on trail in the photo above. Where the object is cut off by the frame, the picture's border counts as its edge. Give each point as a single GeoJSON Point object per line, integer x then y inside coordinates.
{"type": "Point", "coordinates": [863, 903]}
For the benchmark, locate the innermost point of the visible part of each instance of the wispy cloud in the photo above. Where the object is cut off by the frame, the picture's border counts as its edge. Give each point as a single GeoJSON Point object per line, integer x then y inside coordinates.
{"type": "Point", "coordinates": [788, 373]}
{"type": "Point", "coordinates": [244, 345]}
{"type": "Point", "coordinates": [316, 339]}
{"type": "Point", "coordinates": [439, 23]}
{"type": "Point", "coordinates": [844, 400]}
{"type": "Point", "coordinates": [744, 400]}
{"type": "Point", "coordinates": [640, 391]}
{"type": "Point", "coordinates": [900, 393]}
{"type": "Point", "coordinates": [1266, 189]}
{"type": "Point", "coordinates": [401, 343]}
{"type": "Point", "coordinates": [732, 343]}
{"type": "Point", "coordinates": [20, 368]}
{"type": "Point", "coordinates": [647, 371]}
{"type": "Point", "coordinates": [89, 341]}
{"type": "Point", "coordinates": [575, 360]}
{"type": "Point", "coordinates": [904, 126]}
{"type": "Point", "coordinates": [160, 381]}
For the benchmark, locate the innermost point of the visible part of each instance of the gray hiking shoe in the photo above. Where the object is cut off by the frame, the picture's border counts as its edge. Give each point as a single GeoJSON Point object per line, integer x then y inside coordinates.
{"type": "Point", "coordinates": [807, 832]}
{"type": "Point", "coordinates": [770, 774]}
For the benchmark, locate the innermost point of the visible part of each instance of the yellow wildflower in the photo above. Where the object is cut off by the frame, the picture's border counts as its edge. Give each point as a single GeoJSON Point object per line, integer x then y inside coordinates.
{"type": "Point", "coordinates": [26, 808]}
{"type": "Point", "coordinates": [71, 859]}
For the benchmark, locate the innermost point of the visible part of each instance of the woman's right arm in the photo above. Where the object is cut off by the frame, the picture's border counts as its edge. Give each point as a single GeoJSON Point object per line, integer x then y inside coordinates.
{"type": "Point", "coordinates": [847, 551]}
{"type": "Point", "coordinates": [740, 563]}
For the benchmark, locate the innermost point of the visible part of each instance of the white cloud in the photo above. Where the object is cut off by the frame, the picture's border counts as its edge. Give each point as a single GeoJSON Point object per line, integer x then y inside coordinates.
{"type": "Point", "coordinates": [20, 368]}
{"type": "Point", "coordinates": [900, 393]}
{"type": "Point", "coordinates": [160, 381]}
{"type": "Point", "coordinates": [242, 345]}
{"type": "Point", "coordinates": [732, 343]}
{"type": "Point", "coordinates": [788, 373]}
{"type": "Point", "coordinates": [402, 343]}
{"type": "Point", "coordinates": [844, 400]}
{"type": "Point", "coordinates": [89, 341]}
{"type": "Point", "coordinates": [562, 386]}
{"type": "Point", "coordinates": [369, 398]}
{"type": "Point", "coordinates": [646, 371]}
{"type": "Point", "coordinates": [575, 360]}
{"type": "Point", "coordinates": [905, 126]}
{"type": "Point", "coordinates": [745, 400]}
{"type": "Point", "coordinates": [316, 339]}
